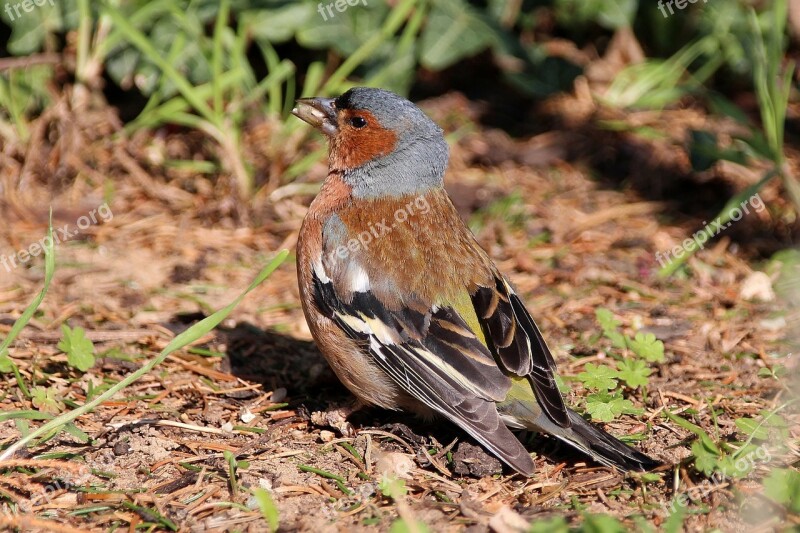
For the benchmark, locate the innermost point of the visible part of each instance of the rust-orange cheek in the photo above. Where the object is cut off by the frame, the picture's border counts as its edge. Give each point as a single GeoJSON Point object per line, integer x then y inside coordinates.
{"type": "Point", "coordinates": [353, 147]}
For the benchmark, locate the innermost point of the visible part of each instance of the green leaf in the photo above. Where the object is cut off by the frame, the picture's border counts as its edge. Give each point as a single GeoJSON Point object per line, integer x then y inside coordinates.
{"type": "Point", "coordinates": [392, 487]}
{"type": "Point", "coordinates": [79, 349]}
{"type": "Point", "coordinates": [610, 327]}
{"type": "Point", "coordinates": [77, 432]}
{"type": "Point", "coordinates": [553, 525]}
{"type": "Point", "coordinates": [606, 319]}
{"type": "Point", "coordinates": [403, 526]}
{"type": "Point", "coordinates": [776, 371]}
{"type": "Point", "coordinates": [773, 419]}
{"type": "Point", "coordinates": [732, 467]}
{"type": "Point", "coordinates": [268, 508]}
{"type": "Point", "coordinates": [674, 523]}
{"type": "Point", "coordinates": [752, 427]}
{"type": "Point", "coordinates": [611, 14]}
{"type": "Point", "coordinates": [281, 23]}
{"type": "Point", "coordinates": [6, 365]}
{"type": "Point", "coordinates": [31, 29]}
{"type": "Point", "coordinates": [28, 415]}
{"type": "Point", "coordinates": [634, 372]}
{"type": "Point", "coordinates": [605, 407]}
{"type": "Point", "coordinates": [601, 523]}
{"type": "Point", "coordinates": [598, 377]}
{"type": "Point", "coordinates": [45, 399]}
{"type": "Point", "coordinates": [453, 31]}
{"type": "Point", "coordinates": [181, 340]}
{"type": "Point", "coordinates": [646, 345]}
{"type": "Point", "coordinates": [230, 458]}
{"type": "Point", "coordinates": [22, 426]}
{"type": "Point", "coordinates": [768, 426]}
{"type": "Point", "coordinates": [704, 151]}
{"type": "Point", "coordinates": [783, 486]}
{"type": "Point", "coordinates": [765, 372]}
{"type": "Point", "coordinates": [707, 441]}
{"type": "Point", "coordinates": [649, 477]}
{"type": "Point", "coordinates": [705, 460]}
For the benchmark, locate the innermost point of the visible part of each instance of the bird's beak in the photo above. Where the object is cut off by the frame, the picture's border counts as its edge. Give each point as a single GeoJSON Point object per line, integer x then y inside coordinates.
{"type": "Point", "coordinates": [319, 112]}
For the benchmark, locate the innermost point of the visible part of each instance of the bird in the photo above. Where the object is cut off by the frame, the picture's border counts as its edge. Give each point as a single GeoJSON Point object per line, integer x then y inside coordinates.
{"type": "Point", "coordinates": [405, 305]}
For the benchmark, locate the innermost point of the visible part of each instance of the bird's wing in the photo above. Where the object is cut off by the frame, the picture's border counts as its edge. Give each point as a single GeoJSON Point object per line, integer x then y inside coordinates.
{"type": "Point", "coordinates": [514, 339]}
{"type": "Point", "coordinates": [428, 351]}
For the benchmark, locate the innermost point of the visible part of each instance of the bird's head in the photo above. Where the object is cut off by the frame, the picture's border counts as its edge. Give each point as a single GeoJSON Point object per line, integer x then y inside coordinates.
{"type": "Point", "coordinates": [380, 143]}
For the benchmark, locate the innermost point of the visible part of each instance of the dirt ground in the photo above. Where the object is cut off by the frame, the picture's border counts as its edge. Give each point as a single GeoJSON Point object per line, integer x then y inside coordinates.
{"type": "Point", "coordinates": [573, 216]}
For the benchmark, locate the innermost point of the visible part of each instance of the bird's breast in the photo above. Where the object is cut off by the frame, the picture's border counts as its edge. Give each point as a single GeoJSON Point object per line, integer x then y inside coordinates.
{"type": "Point", "coordinates": [416, 244]}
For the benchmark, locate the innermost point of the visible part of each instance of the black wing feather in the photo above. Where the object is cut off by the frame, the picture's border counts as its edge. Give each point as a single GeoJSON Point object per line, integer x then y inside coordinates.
{"type": "Point", "coordinates": [515, 340]}
{"type": "Point", "coordinates": [452, 374]}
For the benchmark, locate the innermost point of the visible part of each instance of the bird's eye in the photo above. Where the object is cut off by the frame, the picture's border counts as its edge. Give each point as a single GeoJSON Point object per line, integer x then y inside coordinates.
{"type": "Point", "coordinates": [358, 122]}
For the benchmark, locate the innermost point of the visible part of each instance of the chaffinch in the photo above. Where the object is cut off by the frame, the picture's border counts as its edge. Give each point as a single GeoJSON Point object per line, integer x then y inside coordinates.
{"type": "Point", "coordinates": [408, 309]}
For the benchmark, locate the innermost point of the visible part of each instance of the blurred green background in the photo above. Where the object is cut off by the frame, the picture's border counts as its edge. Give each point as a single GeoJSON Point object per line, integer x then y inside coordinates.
{"type": "Point", "coordinates": [216, 67]}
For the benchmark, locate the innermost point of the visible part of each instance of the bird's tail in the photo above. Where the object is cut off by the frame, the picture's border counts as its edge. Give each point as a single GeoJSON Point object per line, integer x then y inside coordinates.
{"type": "Point", "coordinates": [521, 410]}
{"type": "Point", "coordinates": [601, 446]}
{"type": "Point", "coordinates": [585, 436]}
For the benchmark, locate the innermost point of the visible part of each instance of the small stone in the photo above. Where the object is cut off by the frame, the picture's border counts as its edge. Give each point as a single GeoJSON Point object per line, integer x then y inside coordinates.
{"type": "Point", "coordinates": [507, 520]}
{"type": "Point", "coordinates": [278, 395]}
{"type": "Point", "coordinates": [474, 461]}
{"type": "Point", "coordinates": [773, 324]}
{"type": "Point", "coordinates": [247, 416]}
{"type": "Point", "coordinates": [388, 463]}
{"type": "Point", "coordinates": [757, 286]}
{"type": "Point", "coordinates": [121, 448]}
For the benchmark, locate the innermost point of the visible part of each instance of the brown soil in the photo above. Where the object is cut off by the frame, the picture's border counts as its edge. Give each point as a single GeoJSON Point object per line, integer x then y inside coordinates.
{"type": "Point", "coordinates": [593, 208]}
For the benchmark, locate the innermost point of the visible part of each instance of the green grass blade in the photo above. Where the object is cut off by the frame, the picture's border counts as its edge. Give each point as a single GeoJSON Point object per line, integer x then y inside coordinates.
{"type": "Point", "coordinates": [268, 508]}
{"type": "Point", "coordinates": [156, 115]}
{"type": "Point", "coordinates": [708, 442]}
{"type": "Point", "coordinates": [393, 22]}
{"type": "Point", "coordinates": [140, 41]}
{"type": "Point", "coordinates": [159, 93]}
{"type": "Point", "coordinates": [84, 38]}
{"type": "Point", "coordinates": [274, 102]}
{"type": "Point", "coordinates": [277, 75]}
{"type": "Point", "coordinates": [723, 217]}
{"type": "Point", "coordinates": [49, 269]}
{"type": "Point", "coordinates": [26, 415]}
{"type": "Point", "coordinates": [313, 80]}
{"type": "Point", "coordinates": [140, 17]}
{"type": "Point", "coordinates": [216, 58]}
{"type": "Point", "coordinates": [191, 334]}
{"type": "Point", "coordinates": [404, 45]}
